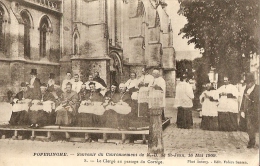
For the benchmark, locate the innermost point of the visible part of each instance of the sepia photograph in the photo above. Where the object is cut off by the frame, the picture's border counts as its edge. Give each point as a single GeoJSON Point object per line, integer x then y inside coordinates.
{"type": "Point", "coordinates": [129, 82]}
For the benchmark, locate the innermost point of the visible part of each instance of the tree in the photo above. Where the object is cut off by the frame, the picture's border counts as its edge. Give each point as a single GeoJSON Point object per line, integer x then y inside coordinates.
{"type": "Point", "coordinates": [201, 73]}
{"type": "Point", "coordinates": [225, 29]}
{"type": "Point", "coordinates": [183, 66]}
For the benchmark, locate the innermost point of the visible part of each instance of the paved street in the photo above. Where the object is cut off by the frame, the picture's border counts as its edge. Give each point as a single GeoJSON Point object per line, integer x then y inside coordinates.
{"type": "Point", "coordinates": [194, 144]}
{"type": "Point", "coordinates": [201, 140]}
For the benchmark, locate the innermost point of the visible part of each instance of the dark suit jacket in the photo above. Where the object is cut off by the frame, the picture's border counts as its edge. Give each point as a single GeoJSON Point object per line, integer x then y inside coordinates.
{"type": "Point", "coordinates": [22, 94]}
{"type": "Point", "coordinates": [114, 97]}
{"type": "Point", "coordinates": [126, 97]}
{"type": "Point", "coordinates": [252, 106]}
{"type": "Point", "coordinates": [83, 94]}
{"type": "Point", "coordinates": [46, 97]}
{"type": "Point", "coordinates": [36, 91]}
{"type": "Point", "coordinates": [71, 98]}
{"type": "Point", "coordinates": [95, 96]}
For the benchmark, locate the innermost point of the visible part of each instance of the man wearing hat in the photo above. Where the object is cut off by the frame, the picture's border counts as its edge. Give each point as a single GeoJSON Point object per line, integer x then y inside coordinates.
{"type": "Point", "coordinates": [35, 84]}
{"type": "Point", "coordinates": [250, 108]}
{"type": "Point", "coordinates": [20, 106]}
{"type": "Point", "coordinates": [39, 114]}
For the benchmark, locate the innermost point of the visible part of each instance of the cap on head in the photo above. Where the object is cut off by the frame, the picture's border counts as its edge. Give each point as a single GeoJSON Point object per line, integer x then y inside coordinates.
{"type": "Point", "coordinates": [43, 85]}
{"type": "Point", "coordinates": [144, 69]}
{"type": "Point", "coordinates": [23, 84]}
{"type": "Point", "coordinates": [69, 84]}
{"type": "Point", "coordinates": [114, 84]}
{"type": "Point", "coordinates": [183, 76]}
{"type": "Point", "coordinates": [33, 72]}
{"type": "Point", "coordinates": [91, 83]}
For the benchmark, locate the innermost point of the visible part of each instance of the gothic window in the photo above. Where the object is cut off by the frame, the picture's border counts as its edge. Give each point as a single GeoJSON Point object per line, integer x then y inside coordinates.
{"type": "Point", "coordinates": [75, 44]}
{"type": "Point", "coordinates": [76, 10]}
{"type": "Point", "coordinates": [1, 29]}
{"type": "Point", "coordinates": [44, 26]}
{"type": "Point", "coordinates": [27, 26]}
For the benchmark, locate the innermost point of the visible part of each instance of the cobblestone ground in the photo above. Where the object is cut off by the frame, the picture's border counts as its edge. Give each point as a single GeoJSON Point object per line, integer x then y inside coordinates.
{"type": "Point", "coordinates": [224, 145]}
{"type": "Point", "coordinates": [182, 147]}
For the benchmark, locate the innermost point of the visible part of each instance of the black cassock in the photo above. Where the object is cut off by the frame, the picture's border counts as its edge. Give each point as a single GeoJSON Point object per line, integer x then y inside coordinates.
{"type": "Point", "coordinates": [250, 105]}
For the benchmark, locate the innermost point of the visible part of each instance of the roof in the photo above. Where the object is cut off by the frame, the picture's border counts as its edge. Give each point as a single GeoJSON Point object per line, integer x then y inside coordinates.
{"type": "Point", "coordinates": [190, 55]}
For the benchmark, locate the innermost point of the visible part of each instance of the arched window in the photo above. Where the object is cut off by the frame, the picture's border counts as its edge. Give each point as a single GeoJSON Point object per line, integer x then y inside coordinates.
{"type": "Point", "coordinates": [27, 26]}
{"type": "Point", "coordinates": [44, 26]}
{"type": "Point", "coordinates": [1, 29]}
{"type": "Point", "coordinates": [75, 44]}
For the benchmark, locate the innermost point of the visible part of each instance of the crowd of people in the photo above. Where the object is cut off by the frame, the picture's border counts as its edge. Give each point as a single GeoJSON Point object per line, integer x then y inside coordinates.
{"type": "Point", "coordinates": [89, 104]}
{"type": "Point", "coordinates": [228, 108]}
{"type": "Point", "coordinates": [93, 104]}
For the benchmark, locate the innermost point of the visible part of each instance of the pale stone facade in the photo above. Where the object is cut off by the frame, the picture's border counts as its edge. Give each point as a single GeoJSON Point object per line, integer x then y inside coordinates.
{"type": "Point", "coordinates": [114, 37]}
{"type": "Point", "coordinates": [28, 19]}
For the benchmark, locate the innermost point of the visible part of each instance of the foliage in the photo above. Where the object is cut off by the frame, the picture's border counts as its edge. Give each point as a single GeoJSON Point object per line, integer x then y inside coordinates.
{"type": "Point", "coordinates": [200, 65]}
{"type": "Point", "coordinates": [225, 29]}
{"type": "Point", "coordinates": [184, 67]}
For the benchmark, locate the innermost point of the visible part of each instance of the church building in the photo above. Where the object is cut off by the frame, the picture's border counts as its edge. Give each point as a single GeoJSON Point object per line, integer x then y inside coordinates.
{"type": "Point", "coordinates": [113, 37]}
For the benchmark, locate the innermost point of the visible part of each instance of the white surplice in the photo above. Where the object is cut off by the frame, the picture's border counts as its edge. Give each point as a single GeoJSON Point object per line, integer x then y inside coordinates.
{"type": "Point", "coordinates": [228, 104]}
{"type": "Point", "coordinates": [157, 94]}
{"type": "Point", "coordinates": [209, 108]}
{"type": "Point", "coordinates": [184, 95]}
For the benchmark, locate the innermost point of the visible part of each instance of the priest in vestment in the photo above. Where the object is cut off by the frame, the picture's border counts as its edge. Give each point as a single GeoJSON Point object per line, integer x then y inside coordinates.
{"type": "Point", "coordinates": [157, 92]}
{"type": "Point", "coordinates": [183, 101]}
{"type": "Point", "coordinates": [91, 108]}
{"type": "Point", "coordinates": [118, 109]}
{"type": "Point", "coordinates": [132, 88]}
{"type": "Point", "coordinates": [228, 107]}
{"type": "Point", "coordinates": [42, 107]}
{"type": "Point", "coordinates": [143, 93]}
{"type": "Point", "coordinates": [67, 109]}
{"type": "Point", "coordinates": [21, 104]}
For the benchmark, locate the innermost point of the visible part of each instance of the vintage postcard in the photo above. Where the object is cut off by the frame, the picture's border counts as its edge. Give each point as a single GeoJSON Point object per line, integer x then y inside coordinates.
{"type": "Point", "coordinates": [129, 82]}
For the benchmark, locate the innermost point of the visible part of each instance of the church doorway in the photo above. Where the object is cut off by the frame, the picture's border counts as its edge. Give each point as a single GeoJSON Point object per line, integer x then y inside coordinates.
{"type": "Point", "coordinates": [115, 68]}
